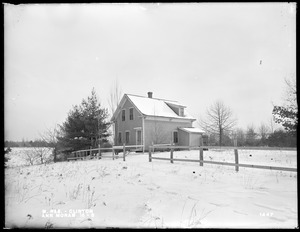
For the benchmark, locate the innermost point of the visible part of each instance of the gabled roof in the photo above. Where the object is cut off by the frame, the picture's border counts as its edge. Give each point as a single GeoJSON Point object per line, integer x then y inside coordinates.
{"type": "Point", "coordinates": [153, 107]}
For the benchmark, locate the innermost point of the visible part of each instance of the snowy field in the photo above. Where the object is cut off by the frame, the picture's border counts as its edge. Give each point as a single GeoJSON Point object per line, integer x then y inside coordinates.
{"type": "Point", "coordinates": [142, 194]}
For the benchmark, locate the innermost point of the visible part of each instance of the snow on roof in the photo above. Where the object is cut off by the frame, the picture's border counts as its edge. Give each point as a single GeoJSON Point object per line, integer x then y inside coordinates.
{"type": "Point", "coordinates": [192, 130]}
{"type": "Point", "coordinates": [173, 103]}
{"type": "Point", "coordinates": [156, 107]}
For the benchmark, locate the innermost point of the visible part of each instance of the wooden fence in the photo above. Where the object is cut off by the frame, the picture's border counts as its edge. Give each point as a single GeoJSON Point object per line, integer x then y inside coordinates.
{"type": "Point", "coordinates": [202, 161]}
{"type": "Point", "coordinates": [98, 152]}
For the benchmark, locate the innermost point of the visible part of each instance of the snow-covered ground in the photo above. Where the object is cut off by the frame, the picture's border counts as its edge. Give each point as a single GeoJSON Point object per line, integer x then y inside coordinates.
{"type": "Point", "coordinates": [142, 194]}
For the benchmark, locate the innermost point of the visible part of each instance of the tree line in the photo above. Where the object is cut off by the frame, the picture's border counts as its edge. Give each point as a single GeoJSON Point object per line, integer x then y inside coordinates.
{"type": "Point", "coordinates": [220, 124]}
{"type": "Point", "coordinates": [28, 143]}
{"type": "Point", "coordinates": [254, 137]}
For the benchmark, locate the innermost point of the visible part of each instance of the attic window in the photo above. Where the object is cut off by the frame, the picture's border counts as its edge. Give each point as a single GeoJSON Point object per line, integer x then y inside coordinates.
{"type": "Point", "coordinates": [181, 112]}
{"type": "Point", "coordinates": [131, 114]}
{"type": "Point", "coordinates": [123, 115]}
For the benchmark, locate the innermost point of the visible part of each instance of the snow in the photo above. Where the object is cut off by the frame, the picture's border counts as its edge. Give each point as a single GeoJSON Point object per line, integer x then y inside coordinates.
{"type": "Point", "coordinates": [155, 107]}
{"type": "Point", "coordinates": [142, 194]}
{"type": "Point", "coordinates": [174, 103]}
{"type": "Point", "coordinates": [192, 129]}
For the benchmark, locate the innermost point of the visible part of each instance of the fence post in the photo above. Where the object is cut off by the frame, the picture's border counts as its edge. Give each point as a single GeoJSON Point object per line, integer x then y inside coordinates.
{"type": "Point", "coordinates": [201, 151]}
{"type": "Point", "coordinates": [236, 156]}
{"type": "Point", "coordinates": [152, 147]}
{"type": "Point", "coordinates": [150, 158]}
{"type": "Point", "coordinates": [124, 152]}
{"type": "Point", "coordinates": [171, 155]}
{"type": "Point", "coordinates": [201, 156]}
{"type": "Point", "coordinates": [113, 153]}
{"type": "Point", "coordinates": [98, 155]}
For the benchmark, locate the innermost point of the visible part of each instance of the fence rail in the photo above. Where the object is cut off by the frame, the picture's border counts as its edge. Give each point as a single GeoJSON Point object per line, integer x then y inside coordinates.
{"type": "Point", "coordinates": [96, 152]}
{"type": "Point", "coordinates": [223, 147]}
{"type": "Point", "coordinates": [201, 161]}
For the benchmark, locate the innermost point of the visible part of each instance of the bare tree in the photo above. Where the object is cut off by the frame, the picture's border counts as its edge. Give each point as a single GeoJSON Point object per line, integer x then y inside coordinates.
{"type": "Point", "coordinates": [43, 154]}
{"type": "Point", "coordinates": [50, 136]}
{"type": "Point", "coordinates": [114, 96]}
{"type": "Point", "coordinates": [219, 120]}
{"type": "Point", "coordinates": [271, 125]}
{"type": "Point", "coordinates": [30, 157]}
{"type": "Point", "coordinates": [263, 132]}
{"type": "Point", "coordinates": [158, 134]}
{"type": "Point", "coordinates": [113, 102]}
{"type": "Point", "coordinates": [291, 92]}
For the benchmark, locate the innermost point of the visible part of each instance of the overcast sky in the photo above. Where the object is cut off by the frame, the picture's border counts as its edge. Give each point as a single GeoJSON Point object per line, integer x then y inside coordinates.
{"type": "Point", "coordinates": [196, 54]}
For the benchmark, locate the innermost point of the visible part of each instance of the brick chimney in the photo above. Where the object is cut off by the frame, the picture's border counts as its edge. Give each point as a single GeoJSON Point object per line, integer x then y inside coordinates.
{"type": "Point", "coordinates": [150, 94]}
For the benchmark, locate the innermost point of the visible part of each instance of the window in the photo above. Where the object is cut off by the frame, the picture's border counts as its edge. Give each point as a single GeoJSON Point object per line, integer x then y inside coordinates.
{"type": "Point", "coordinates": [175, 137]}
{"type": "Point", "coordinates": [123, 115]}
{"type": "Point", "coordinates": [139, 137]}
{"type": "Point", "coordinates": [120, 138]}
{"type": "Point", "coordinates": [127, 137]}
{"type": "Point", "coordinates": [131, 114]}
{"type": "Point", "coordinates": [181, 112]}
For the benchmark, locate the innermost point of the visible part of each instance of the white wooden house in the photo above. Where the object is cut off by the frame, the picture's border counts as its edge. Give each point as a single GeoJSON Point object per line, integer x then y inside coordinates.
{"type": "Point", "coordinates": [140, 120]}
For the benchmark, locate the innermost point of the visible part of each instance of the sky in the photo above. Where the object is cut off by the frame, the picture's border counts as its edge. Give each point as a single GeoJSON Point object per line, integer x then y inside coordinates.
{"type": "Point", "coordinates": [193, 53]}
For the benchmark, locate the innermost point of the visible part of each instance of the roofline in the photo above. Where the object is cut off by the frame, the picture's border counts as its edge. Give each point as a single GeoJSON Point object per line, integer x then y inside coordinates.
{"type": "Point", "coordinates": [188, 119]}
{"type": "Point", "coordinates": [144, 115]}
{"type": "Point", "coordinates": [175, 104]}
{"type": "Point", "coordinates": [134, 105]}
{"type": "Point", "coordinates": [124, 97]}
{"type": "Point", "coordinates": [151, 98]}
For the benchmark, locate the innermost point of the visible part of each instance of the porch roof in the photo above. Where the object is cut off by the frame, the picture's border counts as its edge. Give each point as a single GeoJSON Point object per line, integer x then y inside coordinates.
{"type": "Point", "coordinates": [192, 130]}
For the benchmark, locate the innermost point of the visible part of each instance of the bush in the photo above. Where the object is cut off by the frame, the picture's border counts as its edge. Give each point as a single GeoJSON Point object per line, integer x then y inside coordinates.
{"type": "Point", "coordinates": [6, 159]}
{"type": "Point", "coordinates": [281, 138]}
{"type": "Point", "coordinates": [106, 145]}
{"type": "Point", "coordinates": [61, 157]}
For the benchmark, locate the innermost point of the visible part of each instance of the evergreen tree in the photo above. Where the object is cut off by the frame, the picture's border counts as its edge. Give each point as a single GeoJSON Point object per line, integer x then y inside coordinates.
{"type": "Point", "coordinates": [85, 125]}
{"type": "Point", "coordinates": [281, 138]}
{"type": "Point", "coordinates": [287, 115]}
{"type": "Point", "coordinates": [251, 136]}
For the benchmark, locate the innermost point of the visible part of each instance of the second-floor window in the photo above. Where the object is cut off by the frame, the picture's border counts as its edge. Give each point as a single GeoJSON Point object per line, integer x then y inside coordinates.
{"type": "Point", "coordinates": [123, 115]}
{"type": "Point", "coordinates": [131, 114]}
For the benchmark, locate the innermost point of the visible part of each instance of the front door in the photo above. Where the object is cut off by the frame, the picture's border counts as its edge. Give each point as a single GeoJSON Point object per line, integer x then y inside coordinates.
{"type": "Point", "coordinates": [139, 137]}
